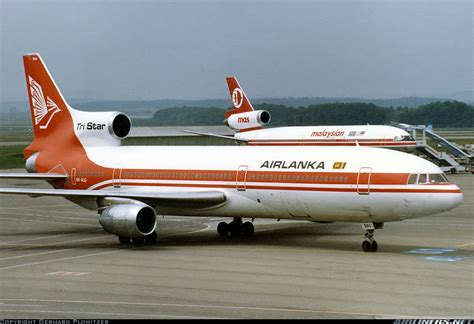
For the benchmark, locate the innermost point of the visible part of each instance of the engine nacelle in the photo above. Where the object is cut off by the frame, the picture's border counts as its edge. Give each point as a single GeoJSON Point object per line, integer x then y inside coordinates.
{"type": "Point", "coordinates": [30, 164]}
{"type": "Point", "coordinates": [128, 220]}
{"type": "Point", "coordinates": [119, 126]}
{"type": "Point", "coordinates": [248, 120]}
{"type": "Point", "coordinates": [101, 128]}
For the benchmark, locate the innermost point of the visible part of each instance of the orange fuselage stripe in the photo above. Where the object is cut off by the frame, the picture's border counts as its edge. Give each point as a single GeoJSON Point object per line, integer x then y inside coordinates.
{"type": "Point", "coordinates": [264, 180]}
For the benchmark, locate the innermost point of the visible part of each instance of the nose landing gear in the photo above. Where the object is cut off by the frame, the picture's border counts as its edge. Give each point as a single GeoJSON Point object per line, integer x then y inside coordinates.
{"type": "Point", "coordinates": [369, 244]}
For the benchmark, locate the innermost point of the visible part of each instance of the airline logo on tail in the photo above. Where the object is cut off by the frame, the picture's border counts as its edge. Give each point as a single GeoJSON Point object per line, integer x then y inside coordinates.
{"type": "Point", "coordinates": [237, 98]}
{"type": "Point", "coordinates": [44, 108]}
{"type": "Point", "coordinates": [242, 116]}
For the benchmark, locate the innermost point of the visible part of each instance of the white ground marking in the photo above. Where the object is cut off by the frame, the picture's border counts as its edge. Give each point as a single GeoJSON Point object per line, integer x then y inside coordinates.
{"type": "Point", "coordinates": [47, 211]}
{"type": "Point", "coordinates": [43, 221]}
{"type": "Point", "coordinates": [229, 307]}
{"type": "Point", "coordinates": [92, 254]}
{"type": "Point", "coordinates": [95, 218]}
{"type": "Point", "coordinates": [48, 252]}
{"type": "Point", "coordinates": [68, 273]}
{"type": "Point", "coordinates": [34, 254]}
{"type": "Point", "coordinates": [40, 238]}
{"type": "Point", "coordinates": [463, 245]}
{"type": "Point", "coordinates": [128, 315]}
{"type": "Point", "coordinates": [56, 243]}
{"type": "Point", "coordinates": [46, 206]}
{"type": "Point", "coordinates": [19, 305]}
{"type": "Point", "coordinates": [60, 259]}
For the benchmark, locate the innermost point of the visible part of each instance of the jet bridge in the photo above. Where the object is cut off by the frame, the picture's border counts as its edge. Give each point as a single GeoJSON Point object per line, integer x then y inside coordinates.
{"type": "Point", "coordinates": [453, 160]}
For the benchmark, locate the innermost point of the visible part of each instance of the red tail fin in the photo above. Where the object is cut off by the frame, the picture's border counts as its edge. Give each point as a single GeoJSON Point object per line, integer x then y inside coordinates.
{"type": "Point", "coordinates": [238, 97]}
{"type": "Point", "coordinates": [52, 122]}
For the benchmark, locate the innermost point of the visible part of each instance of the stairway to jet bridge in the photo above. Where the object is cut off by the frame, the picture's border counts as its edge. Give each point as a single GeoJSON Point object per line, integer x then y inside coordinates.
{"type": "Point", "coordinates": [453, 160]}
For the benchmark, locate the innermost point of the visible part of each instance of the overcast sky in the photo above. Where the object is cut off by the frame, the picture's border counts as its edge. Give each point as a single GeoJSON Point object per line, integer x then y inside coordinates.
{"type": "Point", "coordinates": [184, 49]}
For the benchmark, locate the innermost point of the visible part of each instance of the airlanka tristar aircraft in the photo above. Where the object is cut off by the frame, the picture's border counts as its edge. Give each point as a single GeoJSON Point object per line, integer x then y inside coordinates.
{"type": "Point", "coordinates": [249, 123]}
{"type": "Point", "coordinates": [79, 154]}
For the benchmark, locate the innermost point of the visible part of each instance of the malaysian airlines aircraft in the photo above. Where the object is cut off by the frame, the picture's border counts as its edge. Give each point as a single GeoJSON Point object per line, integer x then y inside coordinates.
{"type": "Point", "coordinates": [249, 124]}
{"type": "Point", "coordinates": [79, 154]}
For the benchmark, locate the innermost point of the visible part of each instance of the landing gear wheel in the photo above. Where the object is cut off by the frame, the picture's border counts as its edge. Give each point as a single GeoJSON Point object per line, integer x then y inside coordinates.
{"type": "Point", "coordinates": [223, 229]}
{"type": "Point", "coordinates": [124, 240]}
{"type": "Point", "coordinates": [138, 241]}
{"type": "Point", "coordinates": [248, 229]}
{"type": "Point", "coordinates": [373, 246]}
{"type": "Point", "coordinates": [366, 246]}
{"type": "Point", "coordinates": [369, 244]}
{"type": "Point", "coordinates": [235, 228]}
{"type": "Point", "coordinates": [151, 238]}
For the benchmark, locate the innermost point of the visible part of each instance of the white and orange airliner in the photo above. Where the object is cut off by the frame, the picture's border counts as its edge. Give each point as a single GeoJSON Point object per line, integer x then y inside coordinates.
{"type": "Point", "coordinates": [80, 155]}
{"type": "Point", "coordinates": [249, 124]}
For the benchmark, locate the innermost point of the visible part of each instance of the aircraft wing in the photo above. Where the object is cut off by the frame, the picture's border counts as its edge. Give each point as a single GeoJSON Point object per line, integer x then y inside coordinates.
{"type": "Point", "coordinates": [197, 199]}
{"type": "Point", "coordinates": [34, 176]}
{"type": "Point", "coordinates": [218, 136]}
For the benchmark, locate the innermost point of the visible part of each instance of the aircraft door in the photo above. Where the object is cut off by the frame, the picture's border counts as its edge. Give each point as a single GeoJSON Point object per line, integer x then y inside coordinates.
{"type": "Point", "coordinates": [117, 178]}
{"type": "Point", "coordinates": [241, 179]}
{"type": "Point", "coordinates": [363, 181]}
{"type": "Point", "coordinates": [73, 176]}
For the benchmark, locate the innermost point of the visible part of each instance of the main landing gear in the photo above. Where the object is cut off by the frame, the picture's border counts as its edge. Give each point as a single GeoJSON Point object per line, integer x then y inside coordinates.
{"type": "Point", "coordinates": [149, 239]}
{"type": "Point", "coordinates": [369, 244]}
{"type": "Point", "coordinates": [235, 228]}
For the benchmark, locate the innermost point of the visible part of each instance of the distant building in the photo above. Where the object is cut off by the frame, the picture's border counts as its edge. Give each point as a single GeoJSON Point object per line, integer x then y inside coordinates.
{"type": "Point", "coordinates": [175, 136]}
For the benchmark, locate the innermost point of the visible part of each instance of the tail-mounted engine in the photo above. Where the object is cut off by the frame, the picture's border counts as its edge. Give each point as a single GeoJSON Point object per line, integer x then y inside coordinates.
{"type": "Point", "coordinates": [248, 120]}
{"type": "Point", "coordinates": [119, 126]}
{"type": "Point", "coordinates": [101, 128]}
{"type": "Point", "coordinates": [129, 220]}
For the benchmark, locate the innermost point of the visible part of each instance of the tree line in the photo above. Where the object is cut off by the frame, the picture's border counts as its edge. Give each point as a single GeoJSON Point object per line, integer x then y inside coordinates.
{"type": "Point", "coordinates": [440, 114]}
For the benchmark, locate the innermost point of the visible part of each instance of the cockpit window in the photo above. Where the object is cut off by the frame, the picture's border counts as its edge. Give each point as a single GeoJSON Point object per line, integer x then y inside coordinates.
{"type": "Point", "coordinates": [438, 178]}
{"type": "Point", "coordinates": [427, 178]}
{"type": "Point", "coordinates": [412, 178]}
{"type": "Point", "coordinates": [422, 179]}
{"type": "Point", "coordinates": [403, 138]}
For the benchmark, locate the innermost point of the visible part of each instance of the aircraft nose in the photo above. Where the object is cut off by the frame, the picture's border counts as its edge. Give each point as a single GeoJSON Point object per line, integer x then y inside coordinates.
{"type": "Point", "coordinates": [455, 199]}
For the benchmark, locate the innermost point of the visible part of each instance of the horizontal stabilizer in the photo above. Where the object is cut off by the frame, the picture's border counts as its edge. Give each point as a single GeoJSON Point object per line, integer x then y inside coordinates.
{"type": "Point", "coordinates": [34, 176]}
{"type": "Point", "coordinates": [218, 136]}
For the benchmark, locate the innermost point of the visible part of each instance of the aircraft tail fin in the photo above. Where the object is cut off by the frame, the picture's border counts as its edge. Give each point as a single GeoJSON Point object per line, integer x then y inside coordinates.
{"type": "Point", "coordinates": [59, 128]}
{"type": "Point", "coordinates": [48, 108]}
{"type": "Point", "coordinates": [50, 114]}
{"type": "Point", "coordinates": [239, 99]}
